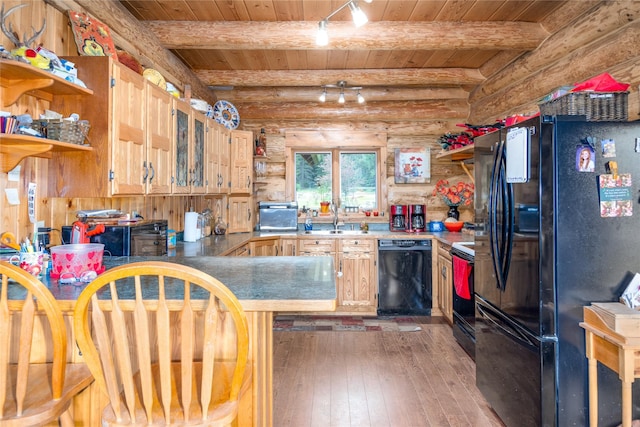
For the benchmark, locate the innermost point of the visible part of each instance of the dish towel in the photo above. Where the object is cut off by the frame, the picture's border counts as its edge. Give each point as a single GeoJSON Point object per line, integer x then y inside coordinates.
{"type": "Point", "coordinates": [461, 272]}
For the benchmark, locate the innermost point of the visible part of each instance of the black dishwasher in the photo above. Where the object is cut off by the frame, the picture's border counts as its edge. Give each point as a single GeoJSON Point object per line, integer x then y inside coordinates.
{"type": "Point", "coordinates": [404, 277]}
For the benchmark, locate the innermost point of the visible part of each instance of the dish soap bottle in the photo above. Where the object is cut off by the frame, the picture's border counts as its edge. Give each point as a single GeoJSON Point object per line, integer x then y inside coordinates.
{"type": "Point", "coordinates": [308, 223]}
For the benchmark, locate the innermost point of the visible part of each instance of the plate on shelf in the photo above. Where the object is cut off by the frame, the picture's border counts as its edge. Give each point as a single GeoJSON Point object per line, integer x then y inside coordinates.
{"type": "Point", "coordinates": [226, 114]}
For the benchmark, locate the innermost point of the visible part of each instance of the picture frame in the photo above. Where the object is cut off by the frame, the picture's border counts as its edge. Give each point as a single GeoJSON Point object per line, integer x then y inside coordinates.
{"type": "Point", "coordinates": [412, 165]}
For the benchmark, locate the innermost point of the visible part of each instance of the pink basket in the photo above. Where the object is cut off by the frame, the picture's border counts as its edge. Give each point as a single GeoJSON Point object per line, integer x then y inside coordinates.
{"type": "Point", "coordinates": [76, 259]}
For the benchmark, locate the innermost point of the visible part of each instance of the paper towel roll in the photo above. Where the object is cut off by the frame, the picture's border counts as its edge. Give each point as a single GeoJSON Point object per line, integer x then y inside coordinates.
{"type": "Point", "coordinates": [191, 227]}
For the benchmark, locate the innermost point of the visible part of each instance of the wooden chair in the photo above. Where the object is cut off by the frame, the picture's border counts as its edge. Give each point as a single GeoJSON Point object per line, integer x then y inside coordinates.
{"type": "Point", "coordinates": [169, 347]}
{"type": "Point", "coordinates": [33, 392]}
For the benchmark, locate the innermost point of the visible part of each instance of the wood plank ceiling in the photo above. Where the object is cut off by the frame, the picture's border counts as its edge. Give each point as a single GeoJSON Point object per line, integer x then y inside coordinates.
{"type": "Point", "coordinates": [409, 51]}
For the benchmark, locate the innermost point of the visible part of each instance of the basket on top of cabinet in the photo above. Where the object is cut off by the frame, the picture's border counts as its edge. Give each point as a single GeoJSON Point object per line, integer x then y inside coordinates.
{"type": "Point", "coordinates": [596, 106]}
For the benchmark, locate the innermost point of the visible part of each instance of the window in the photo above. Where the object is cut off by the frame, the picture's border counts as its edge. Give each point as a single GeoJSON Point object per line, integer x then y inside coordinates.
{"type": "Point", "coordinates": [345, 167]}
{"type": "Point", "coordinates": [356, 186]}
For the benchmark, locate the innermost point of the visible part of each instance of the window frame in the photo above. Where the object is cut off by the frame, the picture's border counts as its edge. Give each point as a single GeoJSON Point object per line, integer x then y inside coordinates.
{"type": "Point", "coordinates": [337, 142]}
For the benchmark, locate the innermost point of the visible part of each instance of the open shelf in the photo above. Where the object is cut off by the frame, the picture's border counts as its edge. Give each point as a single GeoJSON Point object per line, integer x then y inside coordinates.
{"type": "Point", "coordinates": [14, 148]}
{"type": "Point", "coordinates": [18, 78]}
{"type": "Point", "coordinates": [457, 154]}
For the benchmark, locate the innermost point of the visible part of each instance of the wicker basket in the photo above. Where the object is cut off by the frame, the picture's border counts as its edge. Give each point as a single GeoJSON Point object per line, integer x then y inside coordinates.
{"type": "Point", "coordinates": [62, 130]}
{"type": "Point", "coordinates": [596, 106]}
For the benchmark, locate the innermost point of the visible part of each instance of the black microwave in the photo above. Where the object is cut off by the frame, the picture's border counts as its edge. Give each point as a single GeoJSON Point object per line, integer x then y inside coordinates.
{"type": "Point", "coordinates": [142, 238]}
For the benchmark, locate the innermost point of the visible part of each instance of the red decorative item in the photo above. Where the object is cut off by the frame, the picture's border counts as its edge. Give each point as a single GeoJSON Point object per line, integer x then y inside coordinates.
{"type": "Point", "coordinates": [92, 37]}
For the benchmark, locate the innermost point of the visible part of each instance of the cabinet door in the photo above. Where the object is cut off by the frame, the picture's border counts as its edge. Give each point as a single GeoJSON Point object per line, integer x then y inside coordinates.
{"type": "Point", "coordinates": [288, 247]}
{"type": "Point", "coordinates": [197, 167]}
{"type": "Point", "coordinates": [445, 285]}
{"type": "Point", "coordinates": [159, 135]}
{"type": "Point", "coordinates": [217, 158]}
{"type": "Point", "coordinates": [128, 132]}
{"type": "Point", "coordinates": [265, 247]}
{"type": "Point", "coordinates": [356, 285]}
{"type": "Point", "coordinates": [241, 162]}
{"type": "Point", "coordinates": [240, 214]}
{"type": "Point", "coordinates": [182, 138]}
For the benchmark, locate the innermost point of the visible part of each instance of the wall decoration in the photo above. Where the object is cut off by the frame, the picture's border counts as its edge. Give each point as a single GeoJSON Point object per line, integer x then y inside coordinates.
{"type": "Point", "coordinates": [92, 37]}
{"type": "Point", "coordinates": [413, 166]}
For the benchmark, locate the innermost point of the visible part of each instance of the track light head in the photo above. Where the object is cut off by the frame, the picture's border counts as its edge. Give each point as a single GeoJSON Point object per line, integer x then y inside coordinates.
{"type": "Point", "coordinates": [359, 18]}
{"type": "Point", "coordinates": [360, 98]}
{"type": "Point", "coordinates": [323, 96]}
{"type": "Point", "coordinates": [341, 98]}
{"type": "Point", "coordinates": [322, 38]}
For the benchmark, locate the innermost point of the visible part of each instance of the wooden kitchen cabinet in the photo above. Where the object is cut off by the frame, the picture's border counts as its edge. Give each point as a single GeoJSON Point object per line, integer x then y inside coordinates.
{"type": "Point", "coordinates": [131, 133]}
{"type": "Point", "coordinates": [189, 149]}
{"type": "Point", "coordinates": [356, 286]}
{"type": "Point", "coordinates": [217, 170]}
{"type": "Point", "coordinates": [288, 247]}
{"type": "Point", "coordinates": [444, 282]}
{"type": "Point", "coordinates": [241, 168]}
{"type": "Point", "coordinates": [316, 247]}
{"type": "Point", "coordinates": [159, 153]}
{"type": "Point", "coordinates": [241, 214]}
{"type": "Point", "coordinates": [265, 247]}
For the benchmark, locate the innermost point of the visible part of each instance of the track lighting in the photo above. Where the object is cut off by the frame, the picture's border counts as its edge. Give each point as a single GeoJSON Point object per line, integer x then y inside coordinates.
{"type": "Point", "coordinates": [359, 19]}
{"type": "Point", "coordinates": [323, 97]}
{"type": "Point", "coordinates": [322, 38]}
{"type": "Point", "coordinates": [342, 85]}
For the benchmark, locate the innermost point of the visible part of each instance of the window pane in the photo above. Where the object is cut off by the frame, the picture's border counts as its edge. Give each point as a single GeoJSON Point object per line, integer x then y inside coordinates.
{"type": "Point", "coordinates": [358, 180]}
{"type": "Point", "coordinates": [313, 179]}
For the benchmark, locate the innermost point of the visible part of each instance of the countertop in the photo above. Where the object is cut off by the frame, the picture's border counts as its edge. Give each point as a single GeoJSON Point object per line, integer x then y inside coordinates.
{"type": "Point", "coordinates": [260, 283]}
{"type": "Point", "coordinates": [221, 245]}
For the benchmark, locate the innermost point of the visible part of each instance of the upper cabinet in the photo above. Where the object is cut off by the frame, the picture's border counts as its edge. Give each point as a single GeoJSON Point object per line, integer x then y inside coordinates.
{"type": "Point", "coordinates": [218, 144]}
{"type": "Point", "coordinates": [189, 148]}
{"type": "Point", "coordinates": [241, 162]}
{"type": "Point", "coordinates": [17, 79]}
{"type": "Point", "coordinates": [131, 150]}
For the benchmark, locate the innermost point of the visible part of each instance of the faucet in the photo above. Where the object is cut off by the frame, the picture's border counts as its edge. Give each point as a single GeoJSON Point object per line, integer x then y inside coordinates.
{"type": "Point", "coordinates": [336, 219]}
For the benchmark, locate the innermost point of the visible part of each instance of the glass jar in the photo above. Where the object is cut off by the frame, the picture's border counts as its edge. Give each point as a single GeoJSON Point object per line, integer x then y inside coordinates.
{"type": "Point", "coordinates": [220, 227]}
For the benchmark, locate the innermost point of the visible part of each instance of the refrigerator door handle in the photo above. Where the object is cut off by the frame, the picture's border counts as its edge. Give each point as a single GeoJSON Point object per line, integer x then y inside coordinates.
{"type": "Point", "coordinates": [493, 223]}
{"type": "Point", "coordinates": [489, 319]}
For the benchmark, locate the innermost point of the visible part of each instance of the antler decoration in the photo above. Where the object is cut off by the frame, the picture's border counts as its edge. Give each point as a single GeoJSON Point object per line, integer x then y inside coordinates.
{"type": "Point", "coordinates": [11, 34]}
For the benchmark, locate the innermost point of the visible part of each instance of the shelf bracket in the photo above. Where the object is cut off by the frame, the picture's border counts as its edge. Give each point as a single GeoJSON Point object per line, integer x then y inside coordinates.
{"type": "Point", "coordinates": [15, 90]}
{"type": "Point", "coordinates": [466, 170]}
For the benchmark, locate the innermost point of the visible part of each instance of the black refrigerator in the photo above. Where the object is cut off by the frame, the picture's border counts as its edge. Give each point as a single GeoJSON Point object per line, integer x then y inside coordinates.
{"type": "Point", "coordinates": [550, 240]}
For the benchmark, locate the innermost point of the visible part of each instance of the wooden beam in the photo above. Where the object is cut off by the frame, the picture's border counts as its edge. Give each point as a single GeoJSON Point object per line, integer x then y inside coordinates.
{"type": "Point", "coordinates": [395, 110]}
{"type": "Point", "coordinates": [363, 77]}
{"type": "Point", "coordinates": [311, 94]}
{"type": "Point", "coordinates": [387, 35]}
{"type": "Point", "coordinates": [399, 129]}
{"type": "Point", "coordinates": [135, 38]}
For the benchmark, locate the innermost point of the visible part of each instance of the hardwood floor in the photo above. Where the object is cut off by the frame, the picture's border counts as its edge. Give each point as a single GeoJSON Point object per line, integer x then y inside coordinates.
{"type": "Point", "coordinates": [376, 378]}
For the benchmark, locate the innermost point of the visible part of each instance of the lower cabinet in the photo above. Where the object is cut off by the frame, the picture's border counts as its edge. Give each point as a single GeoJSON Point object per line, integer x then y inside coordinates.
{"type": "Point", "coordinates": [288, 247]}
{"type": "Point", "coordinates": [444, 282]}
{"type": "Point", "coordinates": [243, 250]}
{"type": "Point", "coordinates": [267, 247]}
{"type": "Point", "coordinates": [355, 264]}
{"type": "Point", "coordinates": [356, 281]}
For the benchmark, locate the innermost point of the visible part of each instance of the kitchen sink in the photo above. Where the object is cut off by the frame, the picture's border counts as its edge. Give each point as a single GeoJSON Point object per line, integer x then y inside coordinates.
{"type": "Point", "coordinates": [335, 232]}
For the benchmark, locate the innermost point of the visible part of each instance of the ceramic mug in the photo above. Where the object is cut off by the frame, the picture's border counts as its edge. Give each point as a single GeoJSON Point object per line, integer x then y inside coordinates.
{"type": "Point", "coordinates": [436, 226]}
{"type": "Point", "coordinates": [31, 262]}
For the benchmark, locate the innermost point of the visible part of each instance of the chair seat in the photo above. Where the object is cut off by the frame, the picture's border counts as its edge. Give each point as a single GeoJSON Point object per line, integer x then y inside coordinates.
{"type": "Point", "coordinates": [221, 412]}
{"type": "Point", "coordinates": [39, 406]}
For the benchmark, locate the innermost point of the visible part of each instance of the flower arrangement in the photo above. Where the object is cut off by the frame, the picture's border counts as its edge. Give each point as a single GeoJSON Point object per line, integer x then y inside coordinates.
{"type": "Point", "coordinates": [454, 195]}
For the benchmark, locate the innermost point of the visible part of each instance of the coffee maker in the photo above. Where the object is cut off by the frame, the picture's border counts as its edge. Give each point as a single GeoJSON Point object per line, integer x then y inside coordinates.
{"type": "Point", "coordinates": [398, 218]}
{"type": "Point", "coordinates": [416, 218]}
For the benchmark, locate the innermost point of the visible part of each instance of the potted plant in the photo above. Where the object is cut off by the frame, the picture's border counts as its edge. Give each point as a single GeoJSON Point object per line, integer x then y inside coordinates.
{"type": "Point", "coordinates": [454, 195]}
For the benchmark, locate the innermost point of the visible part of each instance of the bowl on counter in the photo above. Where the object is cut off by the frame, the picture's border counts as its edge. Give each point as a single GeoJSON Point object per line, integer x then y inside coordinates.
{"type": "Point", "coordinates": [454, 225]}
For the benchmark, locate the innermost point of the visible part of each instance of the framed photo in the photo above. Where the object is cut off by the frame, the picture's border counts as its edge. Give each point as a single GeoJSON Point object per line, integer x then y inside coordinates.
{"type": "Point", "coordinates": [413, 166]}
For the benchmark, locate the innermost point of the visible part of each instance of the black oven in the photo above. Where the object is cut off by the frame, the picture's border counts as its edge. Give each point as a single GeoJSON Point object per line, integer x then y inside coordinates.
{"type": "Point", "coordinates": [462, 256]}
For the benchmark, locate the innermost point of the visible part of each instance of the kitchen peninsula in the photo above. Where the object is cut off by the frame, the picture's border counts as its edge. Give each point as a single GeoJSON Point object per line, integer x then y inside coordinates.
{"type": "Point", "coordinates": [263, 285]}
